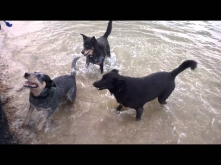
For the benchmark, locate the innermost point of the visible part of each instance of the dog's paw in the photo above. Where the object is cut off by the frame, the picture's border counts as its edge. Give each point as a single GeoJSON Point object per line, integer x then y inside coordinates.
{"type": "Point", "coordinates": [163, 103]}
{"type": "Point", "coordinates": [138, 119]}
{"type": "Point", "coordinates": [40, 126]}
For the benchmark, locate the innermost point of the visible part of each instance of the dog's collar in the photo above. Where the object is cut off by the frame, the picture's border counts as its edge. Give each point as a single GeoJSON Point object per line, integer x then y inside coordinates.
{"type": "Point", "coordinates": [112, 92]}
{"type": "Point", "coordinates": [44, 94]}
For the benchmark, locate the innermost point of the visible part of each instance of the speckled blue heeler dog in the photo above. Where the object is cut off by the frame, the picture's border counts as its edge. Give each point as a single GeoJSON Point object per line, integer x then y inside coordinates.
{"type": "Point", "coordinates": [46, 93]}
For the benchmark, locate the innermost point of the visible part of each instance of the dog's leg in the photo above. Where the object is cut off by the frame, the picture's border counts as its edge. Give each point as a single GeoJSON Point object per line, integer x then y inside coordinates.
{"type": "Point", "coordinates": [108, 51]}
{"type": "Point", "coordinates": [102, 67]}
{"type": "Point", "coordinates": [162, 101]}
{"type": "Point", "coordinates": [108, 54]}
{"type": "Point", "coordinates": [28, 117]}
{"type": "Point", "coordinates": [87, 62]}
{"type": "Point", "coordinates": [139, 113]}
{"type": "Point", "coordinates": [42, 123]}
{"type": "Point", "coordinates": [119, 107]}
{"type": "Point", "coordinates": [164, 96]}
{"type": "Point", "coordinates": [72, 94]}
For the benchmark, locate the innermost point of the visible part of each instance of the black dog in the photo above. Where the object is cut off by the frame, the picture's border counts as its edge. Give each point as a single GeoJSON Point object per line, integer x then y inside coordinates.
{"type": "Point", "coordinates": [135, 92]}
{"type": "Point", "coordinates": [97, 49]}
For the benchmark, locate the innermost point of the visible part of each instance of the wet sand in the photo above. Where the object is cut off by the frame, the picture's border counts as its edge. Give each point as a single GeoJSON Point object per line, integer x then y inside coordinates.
{"type": "Point", "coordinates": [7, 135]}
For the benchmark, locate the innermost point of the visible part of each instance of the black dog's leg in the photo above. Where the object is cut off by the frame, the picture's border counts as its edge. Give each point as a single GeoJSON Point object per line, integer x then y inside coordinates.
{"type": "Point", "coordinates": [72, 94]}
{"type": "Point", "coordinates": [162, 101]}
{"type": "Point", "coordinates": [108, 54]}
{"type": "Point", "coordinates": [108, 51]}
{"type": "Point", "coordinates": [162, 98]}
{"type": "Point", "coordinates": [28, 117]}
{"type": "Point", "coordinates": [139, 113]}
{"type": "Point", "coordinates": [50, 112]}
{"type": "Point", "coordinates": [101, 67]}
{"type": "Point", "coordinates": [87, 62]}
{"type": "Point", "coordinates": [119, 107]}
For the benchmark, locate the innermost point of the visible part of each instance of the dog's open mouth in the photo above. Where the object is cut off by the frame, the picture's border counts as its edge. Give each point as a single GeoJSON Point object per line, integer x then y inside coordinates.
{"type": "Point", "coordinates": [101, 88]}
{"type": "Point", "coordinates": [30, 84]}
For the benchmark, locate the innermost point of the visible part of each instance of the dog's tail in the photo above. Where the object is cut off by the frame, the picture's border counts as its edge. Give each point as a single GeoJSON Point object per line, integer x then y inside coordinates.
{"type": "Point", "coordinates": [186, 64]}
{"type": "Point", "coordinates": [109, 28]}
{"type": "Point", "coordinates": [73, 66]}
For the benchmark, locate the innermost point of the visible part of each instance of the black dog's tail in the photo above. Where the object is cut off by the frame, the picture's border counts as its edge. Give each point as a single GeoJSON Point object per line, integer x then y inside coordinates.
{"type": "Point", "coordinates": [73, 66]}
{"type": "Point", "coordinates": [186, 64]}
{"type": "Point", "coordinates": [109, 28]}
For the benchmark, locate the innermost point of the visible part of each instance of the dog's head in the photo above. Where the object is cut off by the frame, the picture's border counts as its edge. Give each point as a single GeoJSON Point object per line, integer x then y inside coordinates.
{"type": "Point", "coordinates": [89, 45]}
{"type": "Point", "coordinates": [111, 81]}
{"type": "Point", "coordinates": [37, 81]}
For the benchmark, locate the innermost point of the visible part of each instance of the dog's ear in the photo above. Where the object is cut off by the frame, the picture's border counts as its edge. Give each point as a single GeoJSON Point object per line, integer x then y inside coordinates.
{"type": "Point", "coordinates": [48, 81]}
{"type": "Point", "coordinates": [50, 84]}
{"type": "Point", "coordinates": [84, 37]}
{"type": "Point", "coordinates": [53, 84]}
{"type": "Point", "coordinates": [120, 84]}
{"type": "Point", "coordinates": [93, 39]}
{"type": "Point", "coordinates": [115, 70]}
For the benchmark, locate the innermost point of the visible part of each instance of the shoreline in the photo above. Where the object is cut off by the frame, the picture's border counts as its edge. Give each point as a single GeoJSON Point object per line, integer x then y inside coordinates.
{"type": "Point", "coordinates": [8, 110]}
{"type": "Point", "coordinates": [7, 135]}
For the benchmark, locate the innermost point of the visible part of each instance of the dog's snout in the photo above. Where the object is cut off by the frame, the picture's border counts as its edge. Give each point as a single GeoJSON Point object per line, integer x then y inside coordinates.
{"type": "Point", "coordinates": [26, 75]}
{"type": "Point", "coordinates": [94, 84]}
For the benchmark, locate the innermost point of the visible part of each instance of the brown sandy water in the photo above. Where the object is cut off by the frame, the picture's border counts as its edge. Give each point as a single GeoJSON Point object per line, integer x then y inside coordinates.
{"type": "Point", "coordinates": [138, 48]}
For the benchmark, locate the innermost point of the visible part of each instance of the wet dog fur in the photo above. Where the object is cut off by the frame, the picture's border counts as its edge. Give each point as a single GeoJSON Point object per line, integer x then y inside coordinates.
{"type": "Point", "coordinates": [96, 50]}
{"type": "Point", "coordinates": [46, 93]}
{"type": "Point", "coordinates": [135, 92]}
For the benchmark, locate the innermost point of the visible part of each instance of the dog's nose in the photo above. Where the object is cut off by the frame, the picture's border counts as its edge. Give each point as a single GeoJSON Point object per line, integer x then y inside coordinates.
{"type": "Point", "coordinates": [82, 52]}
{"type": "Point", "coordinates": [94, 84]}
{"type": "Point", "coordinates": [26, 75]}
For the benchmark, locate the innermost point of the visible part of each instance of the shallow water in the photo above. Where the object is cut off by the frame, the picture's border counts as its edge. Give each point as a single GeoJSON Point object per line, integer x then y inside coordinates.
{"type": "Point", "coordinates": [138, 48]}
